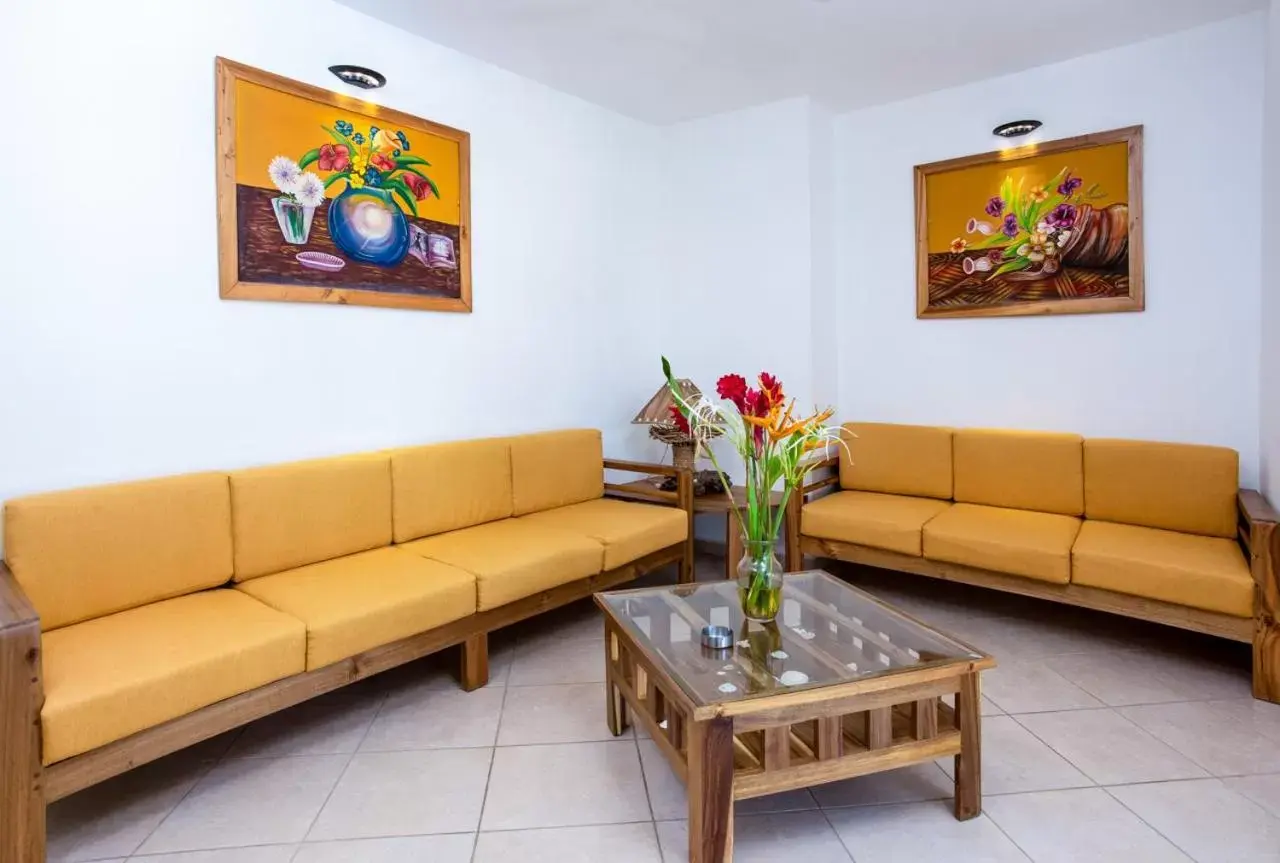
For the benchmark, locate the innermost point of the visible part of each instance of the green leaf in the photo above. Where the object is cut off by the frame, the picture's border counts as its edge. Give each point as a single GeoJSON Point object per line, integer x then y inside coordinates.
{"type": "Point", "coordinates": [340, 139]}
{"type": "Point", "coordinates": [434, 188]}
{"type": "Point", "coordinates": [1018, 263]}
{"type": "Point", "coordinates": [402, 190]}
{"type": "Point", "coordinates": [333, 178]}
{"type": "Point", "coordinates": [402, 161]}
{"type": "Point", "coordinates": [309, 157]}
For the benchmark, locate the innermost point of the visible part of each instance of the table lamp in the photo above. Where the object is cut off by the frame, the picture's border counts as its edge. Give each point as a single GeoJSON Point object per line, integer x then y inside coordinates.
{"type": "Point", "coordinates": [657, 415]}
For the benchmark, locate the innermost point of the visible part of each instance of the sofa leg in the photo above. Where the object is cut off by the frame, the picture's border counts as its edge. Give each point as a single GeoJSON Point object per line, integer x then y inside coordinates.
{"type": "Point", "coordinates": [686, 574]}
{"type": "Point", "coordinates": [475, 661]}
{"type": "Point", "coordinates": [1266, 659]}
{"type": "Point", "coordinates": [22, 827]}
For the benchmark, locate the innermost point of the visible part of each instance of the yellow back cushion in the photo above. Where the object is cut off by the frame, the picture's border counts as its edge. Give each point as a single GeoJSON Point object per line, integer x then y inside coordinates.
{"type": "Point", "coordinates": [1171, 486]}
{"type": "Point", "coordinates": [556, 469]}
{"type": "Point", "coordinates": [1042, 471]}
{"type": "Point", "coordinates": [290, 515]}
{"type": "Point", "coordinates": [896, 459]}
{"type": "Point", "coordinates": [95, 551]}
{"type": "Point", "coordinates": [449, 486]}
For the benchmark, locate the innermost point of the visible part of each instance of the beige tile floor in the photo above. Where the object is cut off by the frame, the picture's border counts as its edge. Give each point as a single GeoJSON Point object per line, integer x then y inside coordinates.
{"type": "Point", "coordinates": [1104, 740]}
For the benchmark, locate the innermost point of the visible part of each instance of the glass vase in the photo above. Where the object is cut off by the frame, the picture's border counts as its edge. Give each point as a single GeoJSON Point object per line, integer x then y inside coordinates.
{"type": "Point", "coordinates": [294, 220]}
{"type": "Point", "coordinates": [760, 581]}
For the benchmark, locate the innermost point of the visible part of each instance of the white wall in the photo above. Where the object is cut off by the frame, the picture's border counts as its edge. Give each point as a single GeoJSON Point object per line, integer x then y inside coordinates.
{"type": "Point", "coordinates": [1270, 317]}
{"type": "Point", "coordinates": [1186, 369]}
{"type": "Point", "coordinates": [120, 361]}
{"type": "Point", "coordinates": [736, 274]}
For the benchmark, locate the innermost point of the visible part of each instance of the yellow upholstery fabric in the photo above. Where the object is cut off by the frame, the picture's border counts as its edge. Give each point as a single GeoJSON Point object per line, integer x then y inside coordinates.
{"type": "Point", "coordinates": [556, 469]}
{"type": "Point", "coordinates": [107, 678]}
{"type": "Point", "coordinates": [1197, 571]}
{"type": "Point", "coordinates": [450, 485]}
{"type": "Point", "coordinates": [886, 521]}
{"type": "Point", "coordinates": [94, 551]}
{"type": "Point", "coordinates": [513, 558]}
{"type": "Point", "coordinates": [290, 515]}
{"type": "Point", "coordinates": [1166, 485]}
{"type": "Point", "coordinates": [357, 602]}
{"type": "Point", "coordinates": [1041, 471]}
{"type": "Point", "coordinates": [897, 459]}
{"type": "Point", "coordinates": [1020, 542]}
{"type": "Point", "coordinates": [628, 531]}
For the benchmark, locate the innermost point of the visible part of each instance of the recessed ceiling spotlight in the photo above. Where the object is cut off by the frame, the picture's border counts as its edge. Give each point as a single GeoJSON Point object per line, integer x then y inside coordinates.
{"type": "Point", "coordinates": [359, 76]}
{"type": "Point", "coordinates": [1017, 128]}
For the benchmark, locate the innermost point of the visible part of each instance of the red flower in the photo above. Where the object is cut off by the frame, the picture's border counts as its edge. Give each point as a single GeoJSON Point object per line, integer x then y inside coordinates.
{"type": "Point", "coordinates": [421, 188]}
{"type": "Point", "coordinates": [334, 157]}
{"type": "Point", "coordinates": [679, 420]}
{"type": "Point", "coordinates": [733, 388]}
{"type": "Point", "coordinates": [382, 162]}
{"type": "Point", "coordinates": [772, 389]}
{"type": "Point", "coordinates": [755, 404]}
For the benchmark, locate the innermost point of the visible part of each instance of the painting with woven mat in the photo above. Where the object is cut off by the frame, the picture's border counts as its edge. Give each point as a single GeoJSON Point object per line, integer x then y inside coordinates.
{"type": "Point", "coordinates": [1052, 228]}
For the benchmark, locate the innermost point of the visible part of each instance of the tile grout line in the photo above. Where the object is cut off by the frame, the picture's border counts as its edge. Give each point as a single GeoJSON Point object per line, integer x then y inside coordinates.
{"type": "Point", "coordinates": [350, 757]}
{"type": "Point", "coordinates": [493, 758]}
{"type": "Point", "coordinates": [644, 781]}
{"type": "Point", "coordinates": [1107, 790]}
{"type": "Point", "coordinates": [839, 838]}
{"type": "Point", "coordinates": [203, 775]}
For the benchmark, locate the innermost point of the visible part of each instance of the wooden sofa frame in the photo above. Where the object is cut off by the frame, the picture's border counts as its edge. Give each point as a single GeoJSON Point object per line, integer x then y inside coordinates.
{"type": "Point", "coordinates": [1256, 533]}
{"type": "Point", "coordinates": [27, 787]}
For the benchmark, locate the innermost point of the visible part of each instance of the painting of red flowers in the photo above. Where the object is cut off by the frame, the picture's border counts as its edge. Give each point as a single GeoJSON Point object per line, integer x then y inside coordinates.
{"type": "Point", "coordinates": [326, 199]}
{"type": "Point", "coordinates": [1051, 228]}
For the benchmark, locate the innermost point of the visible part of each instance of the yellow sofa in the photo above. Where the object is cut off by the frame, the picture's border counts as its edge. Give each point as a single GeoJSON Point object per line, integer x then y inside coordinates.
{"type": "Point", "coordinates": [142, 617]}
{"type": "Point", "coordinates": [1158, 531]}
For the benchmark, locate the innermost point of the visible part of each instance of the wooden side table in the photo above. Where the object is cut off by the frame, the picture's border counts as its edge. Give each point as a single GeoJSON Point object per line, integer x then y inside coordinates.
{"type": "Point", "coordinates": [712, 503]}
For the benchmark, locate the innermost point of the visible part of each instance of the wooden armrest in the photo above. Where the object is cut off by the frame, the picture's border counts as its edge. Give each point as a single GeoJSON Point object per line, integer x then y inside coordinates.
{"type": "Point", "coordinates": [1255, 508]}
{"type": "Point", "coordinates": [819, 464]}
{"type": "Point", "coordinates": [827, 482]}
{"type": "Point", "coordinates": [15, 608]}
{"type": "Point", "coordinates": [639, 467]}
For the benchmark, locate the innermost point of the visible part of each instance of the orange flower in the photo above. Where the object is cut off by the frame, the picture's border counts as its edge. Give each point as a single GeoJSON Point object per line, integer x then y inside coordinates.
{"type": "Point", "coordinates": [959, 244]}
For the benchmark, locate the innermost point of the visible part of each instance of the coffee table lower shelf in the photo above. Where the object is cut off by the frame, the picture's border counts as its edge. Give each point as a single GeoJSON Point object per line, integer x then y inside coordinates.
{"type": "Point", "coordinates": [756, 747]}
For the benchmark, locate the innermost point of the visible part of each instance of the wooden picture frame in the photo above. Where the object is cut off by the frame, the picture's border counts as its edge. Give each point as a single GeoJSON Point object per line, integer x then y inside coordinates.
{"type": "Point", "coordinates": [1089, 258]}
{"type": "Point", "coordinates": [369, 252]}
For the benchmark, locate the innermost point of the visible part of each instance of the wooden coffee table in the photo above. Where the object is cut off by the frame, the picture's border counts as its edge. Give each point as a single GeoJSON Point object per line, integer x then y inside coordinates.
{"type": "Point", "coordinates": [841, 685]}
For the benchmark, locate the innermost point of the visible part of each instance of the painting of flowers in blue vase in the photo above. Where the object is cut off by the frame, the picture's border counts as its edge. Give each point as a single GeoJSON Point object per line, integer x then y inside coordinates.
{"type": "Point", "coordinates": [324, 199]}
{"type": "Point", "coordinates": [1051, 228]}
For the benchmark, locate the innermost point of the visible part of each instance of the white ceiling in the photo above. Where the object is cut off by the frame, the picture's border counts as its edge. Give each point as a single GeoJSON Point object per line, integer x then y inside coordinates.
{"type": "Point", "coordinates": [668, 60]}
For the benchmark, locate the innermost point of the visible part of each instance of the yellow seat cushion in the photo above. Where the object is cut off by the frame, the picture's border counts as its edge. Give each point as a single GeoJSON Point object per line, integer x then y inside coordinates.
{"type": "Point", "coordinates": [364, 600]}
{"type": "Point", "coordinates": [557, 468]}
{"type": "Point", "coordinates": [889, 521]}
{"type": "Point", "coordinates": [107, 678]}
{"type": "Point", "coordinates": [1197, 571]}
{"type": "Point", "coordinates": [628, 531]}
{"type": "Point", "coordinates": [896, 459]}
{"type": "Point", "coordinates": [95, 551]}
{"type": "Point", "coordinates": [1041, 471]}
{"type": "Point", "coordinates": [448, 486]}
{"type": "Point", "coordinates": [1016, 541]}
{"type": "Point", "coordinates": [513, 558]}
{"type": "Point", "coordinates": [1166, 485]}
{"type": "Point", "coordinates": [289, 515]}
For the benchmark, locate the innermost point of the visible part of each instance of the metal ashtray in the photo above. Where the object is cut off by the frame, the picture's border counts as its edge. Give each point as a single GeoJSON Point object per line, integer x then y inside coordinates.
{"type": "Point", "coordinates": [717, 637]}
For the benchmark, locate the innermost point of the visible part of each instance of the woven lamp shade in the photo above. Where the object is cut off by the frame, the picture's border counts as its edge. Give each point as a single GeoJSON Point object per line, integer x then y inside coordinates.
{"type": "Point", "coordinates": [658, 410]}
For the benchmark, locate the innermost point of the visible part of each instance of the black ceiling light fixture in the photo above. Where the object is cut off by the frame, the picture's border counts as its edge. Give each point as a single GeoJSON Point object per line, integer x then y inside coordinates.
{"type": "Point", "coordinates": [359, 76]}
{"type": "Point", "coordinates": [1017, 128]}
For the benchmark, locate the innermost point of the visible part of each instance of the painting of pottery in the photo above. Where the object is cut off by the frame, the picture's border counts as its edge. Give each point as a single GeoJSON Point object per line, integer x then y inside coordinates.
{"type": "Point", "coordinates": [324, 198]}
{"type": "Point", "coordinates": [1052, 228]}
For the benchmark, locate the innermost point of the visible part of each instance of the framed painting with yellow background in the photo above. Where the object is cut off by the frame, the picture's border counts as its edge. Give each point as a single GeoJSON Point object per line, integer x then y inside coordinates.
{"type": "Point", "coordinates": [323, 198]}
{"type": "Point", "coordinates": [1052, 228]}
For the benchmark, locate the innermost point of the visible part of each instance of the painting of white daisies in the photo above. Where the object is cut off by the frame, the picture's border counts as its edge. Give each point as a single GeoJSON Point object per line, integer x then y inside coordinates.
{"type": "Point", "coordinates": [323, 198]}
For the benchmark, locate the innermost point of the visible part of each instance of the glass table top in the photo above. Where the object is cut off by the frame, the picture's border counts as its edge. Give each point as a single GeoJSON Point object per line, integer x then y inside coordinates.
{"type": "Point", "coordinates": [826, 632]}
